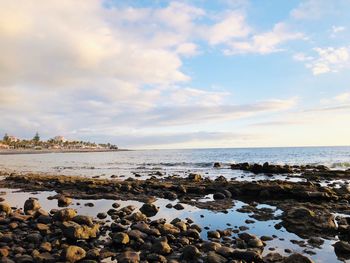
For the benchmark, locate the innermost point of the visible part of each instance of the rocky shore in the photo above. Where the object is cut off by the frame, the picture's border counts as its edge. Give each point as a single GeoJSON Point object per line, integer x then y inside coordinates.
{"type": "Point", "coordinates": [315, 209]}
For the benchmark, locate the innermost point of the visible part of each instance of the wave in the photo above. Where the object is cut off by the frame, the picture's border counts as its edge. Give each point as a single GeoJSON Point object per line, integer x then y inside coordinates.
{"type": "Point", "coordinates": [342, 165]}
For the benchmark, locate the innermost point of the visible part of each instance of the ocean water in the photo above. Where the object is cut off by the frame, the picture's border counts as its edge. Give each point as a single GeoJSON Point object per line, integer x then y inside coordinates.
{"type": "Point", "coordinates": [142, 162]}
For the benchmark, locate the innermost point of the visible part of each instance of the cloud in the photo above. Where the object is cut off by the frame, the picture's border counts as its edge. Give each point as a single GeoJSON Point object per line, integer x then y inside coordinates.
{"type": "Point", "coordinates": [315, 9]}
{"type": "Point", "coordinates": [337, 29]}
{"type": "Point", "coordinates": [231, 26]}
{"type": "Point", "coordinates": [264, 43]}
{"type": "Point", "coordinates": [329, 59]}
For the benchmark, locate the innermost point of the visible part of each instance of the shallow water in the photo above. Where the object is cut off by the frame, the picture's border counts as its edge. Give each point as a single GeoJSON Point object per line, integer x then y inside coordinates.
{"type": "Point", "coordinates": [211, 219]}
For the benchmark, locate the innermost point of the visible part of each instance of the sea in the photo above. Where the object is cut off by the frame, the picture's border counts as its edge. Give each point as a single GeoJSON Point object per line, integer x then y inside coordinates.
{"type": "Point", "coordinates": [180, 162]}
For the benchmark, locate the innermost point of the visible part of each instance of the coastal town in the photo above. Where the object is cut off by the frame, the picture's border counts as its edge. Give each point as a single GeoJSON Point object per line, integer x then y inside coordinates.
{"type": "Point", "coordinates": [10, 142]}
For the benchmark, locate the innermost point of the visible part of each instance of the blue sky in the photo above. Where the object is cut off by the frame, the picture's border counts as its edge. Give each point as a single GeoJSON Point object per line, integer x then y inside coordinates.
{"type": "Point", "coordinates": [177, 74]}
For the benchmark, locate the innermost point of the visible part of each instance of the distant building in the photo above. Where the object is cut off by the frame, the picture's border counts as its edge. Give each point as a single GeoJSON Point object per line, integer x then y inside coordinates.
{"type": "Point", "coordinates": [13, 139]}
{"type": "Point", "coordinates": [4, 146]}
{"type": "Point", "coordinates": [59, 139]}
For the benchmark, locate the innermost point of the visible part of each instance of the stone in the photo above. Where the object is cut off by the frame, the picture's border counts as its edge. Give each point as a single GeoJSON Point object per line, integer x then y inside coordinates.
{"type": "Point", "coordinates": [128, 257]}
{"type": "Point", "coordinates": [161, 246]}
{"type": "Point", "coordinates": [4, 252]}
{"type": "Point", "coordinates": [102, 215]}
{"type": "Point", "coordinates": [83, 220]}
{"type": "Point", "coordinates": [178, 206]}
{"type": "Point", "coordinates": [31, 205]}
{"type": "Point", "coordinates": [297, 258]}
{"type": "Point", "coordinates": [64, 201]}
{"type": "Point", "coordinates": [121, 238]}
{"type": "Point", "coordinates": [73, 254]}
{"type": "Point", "coordinates": [342, 249]}
{"type": "Point", "coordinates": [213, 257]}
{"type": "Point", "coordinates": [34, 238]}
{"type": "Point", "coordinates": [5, 208]}
{"type": "Point", "coordinates": [247, 255]}
{"type": "Point", "coordinates": [45, 246]}
{"type": "Point", "coordinates": [195, 177]}
{"type": "Point", "coordinates": [219, 196]}
{"type": "Point", "coordinates": [66, 214]}
{"type": "Point", "coordinates": [149, 209]}
{"type": "Point", "coordinates": [190, 252]}
{"type": "Point", "coordinates": [213, 234]}
{"type": "Point", "coordinates": [75, 231]}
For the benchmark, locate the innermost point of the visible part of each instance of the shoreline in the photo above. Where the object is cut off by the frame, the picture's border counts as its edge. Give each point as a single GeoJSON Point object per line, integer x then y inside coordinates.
{"type": "Point", "coordinates": [32, 151]}
{"type": "Point", "coordinates": [314, 212]}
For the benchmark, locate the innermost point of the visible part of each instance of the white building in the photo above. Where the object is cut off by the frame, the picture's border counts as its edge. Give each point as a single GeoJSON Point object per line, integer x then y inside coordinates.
{"type": "Point", "coordinates": [59, 139]}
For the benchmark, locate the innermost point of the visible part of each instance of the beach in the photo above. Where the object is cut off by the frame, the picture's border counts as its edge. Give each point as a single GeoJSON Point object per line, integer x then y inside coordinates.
{"type": "Point", "coordinates": [214, 212]}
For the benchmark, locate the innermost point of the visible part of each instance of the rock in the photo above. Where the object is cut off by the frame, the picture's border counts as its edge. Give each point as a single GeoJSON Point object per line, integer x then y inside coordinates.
{"type": "Point", "coordinates": [102, 215]}
{"type": "Point", "coordinates": [342, 249]}
{"type": "Point", "coordinates": [44, 257]}
{"type": "Point", "coordinates": [149, 209]}
{"type": "Point", "coordinates": [195, 177]}
{"type": "Point", "coordinates": [73, 254]}
{"type": "Point", "coordinates": [213, 257]}
{"type": "Point", "coordinates": [4, 252]}
{"type": "Point", "coordinates": [5, 208]}
{"type": "Point", "coordinates": [66, 214]}
{"type": "Point", "coordinates": [121, 238]}
{"type": "Point", "coordinates": [161, 246]}
{"type": "Point", "coordinates": [64, 201]}
{"type": "Point", "coordinates": [166, 229]}
{"type": "Point", "coordinates": [156, 258]}
{"type": "Point", "coordinates": [75, 231]}
{"type": "Point", "coordinates": [297, 258]}
{"type": "Point", "coordinates": [31, 205]}
{"type": "Point", "coordinates": [83, 220]}
{"type": "Point", "coordinates": [128, 257]}
{"type": "Point", "coordinates": [225, 251]}
{"type": "Point", "coordinates": [247, 255]}
{"type": "Point", "coordinates": [34, 238]}
{"type": "Point", "coordinates": [24, 259]}
{"type": "Point", "coordinates": [219, 196]}
{"type": "Point", "coordinates": [217, 165]}
{"type": "Point", "coordinates": [213, 234]}
{"type": "Point", "coordinates": [179, 206]}
{"type": "Point", "coordinates": [190, 252]}
{"type": "Point", "coordinates": [93, 253]}
{"type": "Point", "coordinates": [46, 247]}
{"type": "Point", "coordinates": [273, 257]}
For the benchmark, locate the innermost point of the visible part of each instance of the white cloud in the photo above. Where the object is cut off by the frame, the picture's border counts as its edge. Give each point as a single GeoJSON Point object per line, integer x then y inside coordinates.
{"type": "Point", "coordinates": [314, 9]}
{"type": "Point", "coordinates": [264, 43]}
{"type": "Point", "coordinates": [337, 29]}
{"type": "Point", "coordinates": [231, 26]}
{"type": "Point", "coordinates": [329, 59]}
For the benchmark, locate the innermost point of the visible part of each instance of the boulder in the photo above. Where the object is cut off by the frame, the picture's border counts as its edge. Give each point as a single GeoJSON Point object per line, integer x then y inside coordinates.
{"type": "Point", "coordinates": [128, 257]}
{"type": "Point", "coordinates": [66, 214]}
{"type": "Point", "coordinates": [31, 205]}
{"type": "Point", "coordinates": [5, 208]}
{"type": "Point", "coordinates": [149, 209]}
{"type": "Point", "coordinates": [120, 238]}
{"type": "Point", "coordinates": [73, 254]}
{"type": "Point", "coordinates": [161, 246]}
{"type": "Point", "coordinates": [190, 252]}
{"type": "Point", "coordinates": [213, 257]}
{"type": "Point", "coordinates": [297, 258]}
{"type": "Point", "coordinates": [75, 231]}
{"type": "Point", "coordinates": [64, 201]}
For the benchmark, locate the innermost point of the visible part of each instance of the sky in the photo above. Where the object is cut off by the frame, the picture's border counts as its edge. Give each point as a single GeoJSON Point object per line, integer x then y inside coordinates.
{"type": "Point", "coordinates": [177, 74]}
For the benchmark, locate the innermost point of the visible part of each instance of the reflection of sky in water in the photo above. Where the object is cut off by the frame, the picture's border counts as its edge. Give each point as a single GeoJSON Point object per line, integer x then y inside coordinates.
{"type": "Point", "coordinates": [213, 220]}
